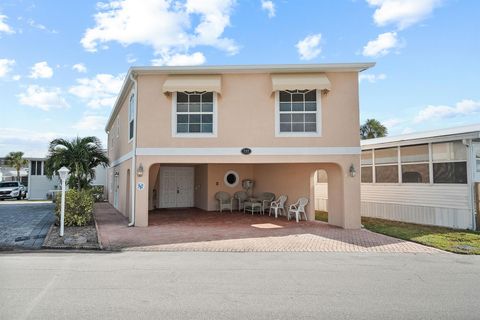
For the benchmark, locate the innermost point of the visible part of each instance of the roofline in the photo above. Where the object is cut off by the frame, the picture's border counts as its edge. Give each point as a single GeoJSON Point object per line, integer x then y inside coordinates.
{"type": "Point", "coordinates": [472, 131]}
{"type": "Point", "coordinates": [225, 69]}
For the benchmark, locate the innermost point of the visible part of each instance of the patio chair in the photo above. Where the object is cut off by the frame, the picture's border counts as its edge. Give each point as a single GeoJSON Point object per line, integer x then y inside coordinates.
{"type": "Point", "coordinates": [298, 208]}
{"type": "Point", "coordinates": [241, 197]}
{"type": "Point", "coordinates": [278, 206]}
{"type": "Point", "coordinates": [225, 200]}
{"type": "Point", "coordinates": [266, 199]}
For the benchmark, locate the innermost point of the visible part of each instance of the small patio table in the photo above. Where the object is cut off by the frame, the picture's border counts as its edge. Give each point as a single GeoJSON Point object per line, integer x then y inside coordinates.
{"type": "Point", "coordinates": [253, 205]}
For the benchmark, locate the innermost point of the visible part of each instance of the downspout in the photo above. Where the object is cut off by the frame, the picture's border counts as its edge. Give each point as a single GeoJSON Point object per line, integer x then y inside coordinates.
{"type": "Point", "coordinates": [134, 154]}
{"type": "Point", "coordinates": [471, 179]}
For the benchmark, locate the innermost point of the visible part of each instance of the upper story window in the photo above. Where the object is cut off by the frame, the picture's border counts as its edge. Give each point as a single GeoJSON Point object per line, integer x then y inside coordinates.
{"type": "Point", "coordinates": [36, 168]}
{"type": "Point", "coordinates": [131, 117]}
{"type": "Point", "coordinates": [195, 114]}
{"type": "Point", "coordinates": [298, 113]}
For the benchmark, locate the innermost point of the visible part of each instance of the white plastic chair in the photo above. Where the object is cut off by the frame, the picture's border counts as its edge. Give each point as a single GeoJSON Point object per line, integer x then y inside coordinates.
{"type": "Point", "coordinates": [225, 200]}
{"type": "Point", "coordinates": [298, 208]}
{"type": "Point", "coordinates": [278, 206]}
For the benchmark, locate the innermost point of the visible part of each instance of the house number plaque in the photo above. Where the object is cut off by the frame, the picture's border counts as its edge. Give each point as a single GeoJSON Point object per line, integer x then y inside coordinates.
{"type": "Point", "coordinates": [246, 151]}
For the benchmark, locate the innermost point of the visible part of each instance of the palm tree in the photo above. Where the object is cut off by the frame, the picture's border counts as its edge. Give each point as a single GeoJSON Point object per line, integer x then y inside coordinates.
{"type": "Point", "coordinates": [372, 128]}
{"type": "Point", "coordinates": [15, 160]}
{"type": "Point", "coordinates": [80, 155]}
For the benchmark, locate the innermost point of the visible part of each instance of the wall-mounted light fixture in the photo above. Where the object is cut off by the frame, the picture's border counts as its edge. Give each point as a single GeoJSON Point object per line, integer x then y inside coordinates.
{"type": "Point", "coordinates": [352, 171]}
{"type": "Point", "coordinates": [140, 170]}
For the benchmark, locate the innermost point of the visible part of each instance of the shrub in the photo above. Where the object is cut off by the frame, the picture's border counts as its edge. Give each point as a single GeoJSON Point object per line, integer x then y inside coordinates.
{"type": "Point", "coordinates": [97, 192]}
{"type": "Point", "coordinates": [78, 207]}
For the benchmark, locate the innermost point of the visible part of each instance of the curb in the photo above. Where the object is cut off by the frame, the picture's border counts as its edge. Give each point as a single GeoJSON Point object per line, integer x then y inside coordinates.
{"type": "Point", "coordinates": [99, 238]}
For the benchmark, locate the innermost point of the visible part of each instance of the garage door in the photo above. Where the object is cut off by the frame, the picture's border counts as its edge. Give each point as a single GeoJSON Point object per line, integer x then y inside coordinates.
{"type": "Point", "coordinates": [176, 187]}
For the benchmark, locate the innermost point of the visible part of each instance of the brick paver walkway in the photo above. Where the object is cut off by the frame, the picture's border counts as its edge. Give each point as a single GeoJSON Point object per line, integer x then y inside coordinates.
{"type": "Point", "coordinates": [197, 230]}
{"type": "Point", "coordinates": [24, 225]}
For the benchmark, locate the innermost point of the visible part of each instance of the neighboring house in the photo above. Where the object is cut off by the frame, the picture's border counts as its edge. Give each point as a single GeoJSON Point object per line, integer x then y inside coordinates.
{"type": "Point", "coordinates": [40, 187]}
{"type": "Point", "coordinates": [10, 174]}
{"type": "Point", "coordinates": [178, 135]}
{"type": "Point", "coordinates": [426, 177]}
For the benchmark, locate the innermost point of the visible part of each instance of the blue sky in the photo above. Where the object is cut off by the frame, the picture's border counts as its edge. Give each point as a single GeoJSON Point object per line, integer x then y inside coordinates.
{"type": "Point", "coordinates": [63, 62]}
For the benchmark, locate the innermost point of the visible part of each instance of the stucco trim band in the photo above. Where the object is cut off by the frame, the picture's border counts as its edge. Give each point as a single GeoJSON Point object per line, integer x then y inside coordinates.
{"type": "Point", "coordinates": [123, 158]}
{"type": "Point", "coordinates": [264, 151]}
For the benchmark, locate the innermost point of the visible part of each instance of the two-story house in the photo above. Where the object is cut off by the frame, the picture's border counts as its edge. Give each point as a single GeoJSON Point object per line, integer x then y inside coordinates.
{"type": "Point", "coordinates": [178, 135]}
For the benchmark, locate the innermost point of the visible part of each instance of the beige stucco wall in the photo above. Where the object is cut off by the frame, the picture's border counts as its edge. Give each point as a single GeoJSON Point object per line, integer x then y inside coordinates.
{"type": "Point", "coordinates": [118, 143]}
{"type": "Point", "coordinates": [123, 200]}
{"type": "Point", "coordinates": [246, 114]}
{"type": "Point", "coordinates": [216, 183]}
{"type": "Point", "coordinates": [201, 187]}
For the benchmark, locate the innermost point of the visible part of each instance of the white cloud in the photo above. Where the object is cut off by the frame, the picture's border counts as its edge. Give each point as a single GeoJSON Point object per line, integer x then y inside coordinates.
{"type": "Point", "coordinates": [131, 58]}
{"type": "Point", "coordinates": [43, 98]}
{"type": "Point", "coordinates": [402, 13]}
{"type": "Point", "coordinates": [407, 130]}
{"type": "Point", "coordinates": [465, 107]}
{"type": "Point", "coordinates": [17, 77]}
{"type": "Point", "coordinates": [309, 47]}
{"type": "Point", "coordinates": [6, 66]}
{"type": "Point", "coordinates": [170, 28]}
{"type": "Point", "coordinates": [99, 91]}
{"type": "Point", "coordinates": [193, 59]}
{"type": "Point", "coordinates": [269, 6]}
{"type": "Point", "coordinates": [381, 45]}
{"type": "Point", "coordinates": [391, 123]}
{"type": "Point", "coordinates": [4, 27]}
{"type": "Point", "coordinates": [79, 67]}
{"type": "Point", "coordinates": [41, 70]}
{"type": "Point", "coordinates": [91, 123]}
{"type": "Point", "coordinates": [33, 143]}
{"type": "Point", "coordinates": [372, 78]}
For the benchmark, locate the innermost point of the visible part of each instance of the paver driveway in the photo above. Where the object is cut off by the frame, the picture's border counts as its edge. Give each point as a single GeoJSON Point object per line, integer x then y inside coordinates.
{"type": "Point", "coordinates": [24, 225]}
{"type": "Point", "coordinates": [198, 230]}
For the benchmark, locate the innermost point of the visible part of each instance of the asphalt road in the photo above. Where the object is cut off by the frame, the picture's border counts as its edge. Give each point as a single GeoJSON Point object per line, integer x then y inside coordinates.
{"type": "Point", "coordinates": [154, 285]}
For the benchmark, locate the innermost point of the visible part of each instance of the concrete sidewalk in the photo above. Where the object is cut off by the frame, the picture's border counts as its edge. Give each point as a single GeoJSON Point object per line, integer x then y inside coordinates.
{"type": "Point", "coordinates": [197, 230]}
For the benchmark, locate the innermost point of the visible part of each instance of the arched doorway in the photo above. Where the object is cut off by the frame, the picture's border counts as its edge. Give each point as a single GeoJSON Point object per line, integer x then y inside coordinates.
{"type": "Point", "coordinates": [321, 195]}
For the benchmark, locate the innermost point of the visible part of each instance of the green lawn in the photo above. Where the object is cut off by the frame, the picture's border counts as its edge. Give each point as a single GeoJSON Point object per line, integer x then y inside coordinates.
{"type": "Point", "coordinates": [458, 241]}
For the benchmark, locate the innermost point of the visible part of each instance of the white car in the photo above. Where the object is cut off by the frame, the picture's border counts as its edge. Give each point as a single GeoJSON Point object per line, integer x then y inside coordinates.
{"type": "Point", "coordinates": [11, 190]}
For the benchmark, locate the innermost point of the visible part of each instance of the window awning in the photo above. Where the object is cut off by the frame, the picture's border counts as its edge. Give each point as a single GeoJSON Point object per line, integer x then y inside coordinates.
{"type": "Point", "coordinates": [210, 83]}
{"type": "Point", "coordinates": [309, 81]}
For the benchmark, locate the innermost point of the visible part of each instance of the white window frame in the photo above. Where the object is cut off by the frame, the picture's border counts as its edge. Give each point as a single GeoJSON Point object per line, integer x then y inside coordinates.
{"type": "Point", "coordinates": [175, 134]}
{"type": "Point", "coordinates": [279, 134]}
{"type": "Point", "coordinates": [131, 115]}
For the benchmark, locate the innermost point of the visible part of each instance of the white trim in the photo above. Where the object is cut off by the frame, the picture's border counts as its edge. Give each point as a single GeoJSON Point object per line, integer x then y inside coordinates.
{"type": "Point", "coordinates": [132, 93]}
{"type": "Point", "coordinates": [456, 133]}
{"type": "Point", "coordinates": [193, 135]}
{"type": "Point", "coordinates": [123, 158]}
{"type": "Point", "coordinates": [318, 113]}
{"type": "Point", "coordinates": [256, 151]}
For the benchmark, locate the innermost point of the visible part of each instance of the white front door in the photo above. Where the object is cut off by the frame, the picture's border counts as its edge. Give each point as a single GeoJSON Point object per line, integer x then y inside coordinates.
{"type": "Point", "coordinates": [176, 187]}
